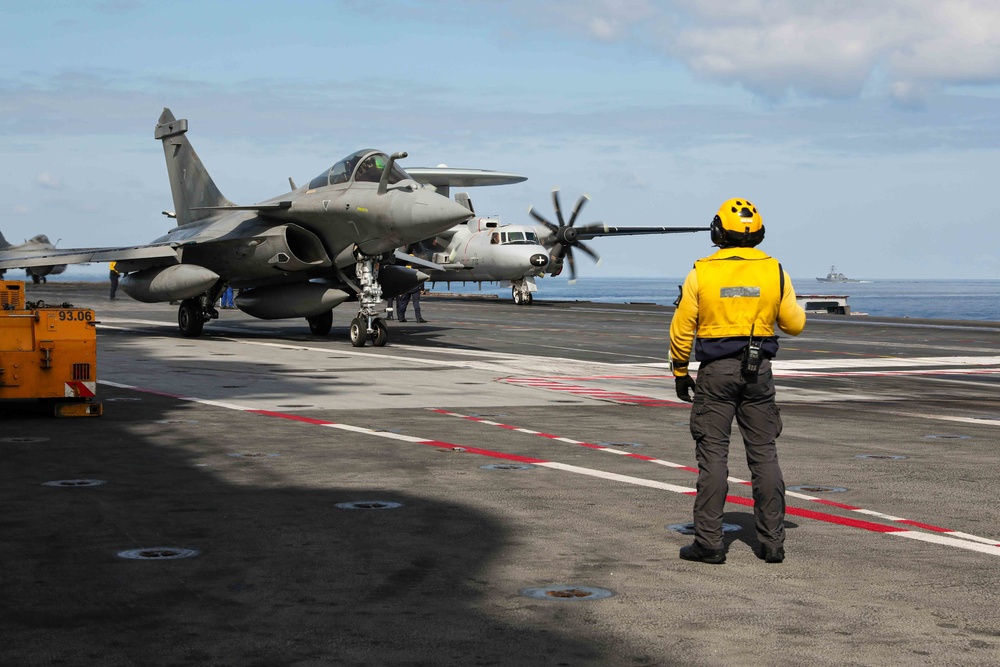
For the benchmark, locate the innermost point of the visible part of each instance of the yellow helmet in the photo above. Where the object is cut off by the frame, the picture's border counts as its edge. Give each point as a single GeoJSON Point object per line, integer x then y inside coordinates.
{"type": "Point", "coordinates": [738, 223]}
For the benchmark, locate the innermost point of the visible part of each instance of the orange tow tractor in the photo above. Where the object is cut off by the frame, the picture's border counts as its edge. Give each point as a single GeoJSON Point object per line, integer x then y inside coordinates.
{"type": "Point", "coordinates": [48, 353]}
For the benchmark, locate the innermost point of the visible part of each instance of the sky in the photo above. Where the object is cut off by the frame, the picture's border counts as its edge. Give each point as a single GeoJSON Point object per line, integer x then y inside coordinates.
{"type": "Point", "coordinates": [866, 131]}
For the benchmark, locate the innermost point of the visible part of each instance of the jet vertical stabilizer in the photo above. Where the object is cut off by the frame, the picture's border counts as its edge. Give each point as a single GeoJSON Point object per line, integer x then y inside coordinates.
{"type": "Point", "coordinates": [190, 183]}
{"type": "Point", "coordinates": [3, 242]}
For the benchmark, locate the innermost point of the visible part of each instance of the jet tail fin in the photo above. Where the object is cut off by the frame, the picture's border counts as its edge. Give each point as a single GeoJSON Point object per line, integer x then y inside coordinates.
{"type": "Point", "coordinates": [3, 242]}
{"type": "Point", "coordinates": [191, 186]}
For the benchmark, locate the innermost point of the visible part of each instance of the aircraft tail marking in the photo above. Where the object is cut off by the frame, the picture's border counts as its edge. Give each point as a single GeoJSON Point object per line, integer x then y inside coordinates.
{"type": "Point", "coordinates": [194, 192]}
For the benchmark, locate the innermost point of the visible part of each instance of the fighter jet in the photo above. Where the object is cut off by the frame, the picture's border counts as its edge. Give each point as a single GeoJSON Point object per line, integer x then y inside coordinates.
{"type": "Point", "coordinates": [483, 250]}
{"type": "Point", "coordinates": [299, 254]}
{"type": "Point", "coordinates": [34, 244]}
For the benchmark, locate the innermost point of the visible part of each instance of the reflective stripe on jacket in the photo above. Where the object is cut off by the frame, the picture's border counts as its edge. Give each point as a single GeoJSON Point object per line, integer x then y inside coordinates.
{"type": "Point", "coordinates": [723, 297]}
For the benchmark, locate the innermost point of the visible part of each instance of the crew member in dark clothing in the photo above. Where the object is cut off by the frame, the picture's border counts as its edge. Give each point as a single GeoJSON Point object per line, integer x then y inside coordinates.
{"type": "Point", "coordinates": [113, 274]}
{"type": "Point", "coordinates": [731, 301]}
{"type": "Point", "coordinates": [404, 300]}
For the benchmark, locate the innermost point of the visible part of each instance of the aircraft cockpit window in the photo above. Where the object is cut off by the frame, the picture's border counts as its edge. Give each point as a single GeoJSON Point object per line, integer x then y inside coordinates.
{"type": "Point", "coordinates": [372, 163]}
{"type": "Point", "coordinates": [320, 181]}
{"type": "Point", "coordinates": [340, 173]}
{"type": "Point", "coordinates": [520, 238]}
{"type": "Point", "coordinates": [371, 168]}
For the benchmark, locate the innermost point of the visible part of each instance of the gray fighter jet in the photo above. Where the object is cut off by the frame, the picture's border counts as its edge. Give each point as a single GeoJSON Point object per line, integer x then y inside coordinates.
{"type": "Point", "coordinates": [299, 254]}
{"type": "Point", "coordinates": [33, 245]}
{"type": "Point", "coordinates": [482, 250]}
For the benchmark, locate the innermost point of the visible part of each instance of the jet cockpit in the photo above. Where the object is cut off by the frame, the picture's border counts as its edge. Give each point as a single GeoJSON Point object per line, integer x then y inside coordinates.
{"type": "Point", "coordinates": [512, 237]}
{"type": "Point", "coordinates": [365, 166]}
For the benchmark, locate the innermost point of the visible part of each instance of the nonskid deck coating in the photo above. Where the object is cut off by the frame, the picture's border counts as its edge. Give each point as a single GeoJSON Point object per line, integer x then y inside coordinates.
{"type": "Point", "coordinates": [285, 577]}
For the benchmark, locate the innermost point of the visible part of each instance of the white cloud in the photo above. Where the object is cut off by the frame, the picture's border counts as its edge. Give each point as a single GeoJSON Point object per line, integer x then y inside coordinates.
{"type": "Point", "coordinates": [21, 209]}
{"type": "Point", "coordinates": [47, 181]}
{"type": "Point", "coordinates": [826, 48]}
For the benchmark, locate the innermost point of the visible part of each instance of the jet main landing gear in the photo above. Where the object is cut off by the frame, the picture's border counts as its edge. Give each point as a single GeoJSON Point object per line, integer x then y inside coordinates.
{"type": "Point", "coordinates": [320, 325]}
{"type": "Point", "coordinates": [190, 318]}
{"type": "Point", "coordinates": [195, 311]}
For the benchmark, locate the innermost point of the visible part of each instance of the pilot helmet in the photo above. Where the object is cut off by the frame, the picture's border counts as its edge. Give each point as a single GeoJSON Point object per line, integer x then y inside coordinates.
{"type": "Point", "coordinates": [738, 223]}
{"type": "Point", "coordinates": [373, 162]}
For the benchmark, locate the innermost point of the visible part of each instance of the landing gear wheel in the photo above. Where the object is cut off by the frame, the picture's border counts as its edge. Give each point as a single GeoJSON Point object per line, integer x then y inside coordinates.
{"type": "Point", "coordinates": [381, 334]}
{"type": "Point", "coordinates": [359, 332]}
{"type": "Point", "coordinates": [321, 324]}
{"type": "Point", "coordinates": [521, 298]}
{"type": "Point", "coordinates": [189, 318]}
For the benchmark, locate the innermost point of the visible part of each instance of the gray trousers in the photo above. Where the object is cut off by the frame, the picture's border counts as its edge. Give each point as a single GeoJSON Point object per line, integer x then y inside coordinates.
{"type": "Point", "coordinates": [721, 395]}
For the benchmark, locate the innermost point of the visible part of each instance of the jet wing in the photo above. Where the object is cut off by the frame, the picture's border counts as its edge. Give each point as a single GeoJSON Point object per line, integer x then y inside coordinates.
{"type": "Point", "coordinates": [156, 254]}
{"type": "Point", "coordinates": [598, 229]}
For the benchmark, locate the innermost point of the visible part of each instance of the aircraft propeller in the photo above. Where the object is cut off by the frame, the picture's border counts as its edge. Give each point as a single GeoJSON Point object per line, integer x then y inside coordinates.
{"type": "Point", "coordinates": [566, 235]}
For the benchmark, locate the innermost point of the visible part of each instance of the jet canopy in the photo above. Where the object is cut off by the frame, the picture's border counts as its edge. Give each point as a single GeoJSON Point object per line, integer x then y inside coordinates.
{"type": "Point", "coordinates": [364, 166]}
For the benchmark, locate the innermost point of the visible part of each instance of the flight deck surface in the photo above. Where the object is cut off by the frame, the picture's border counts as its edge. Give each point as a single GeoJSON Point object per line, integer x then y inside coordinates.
{"type": "Point", "coordinates": [495, 452]}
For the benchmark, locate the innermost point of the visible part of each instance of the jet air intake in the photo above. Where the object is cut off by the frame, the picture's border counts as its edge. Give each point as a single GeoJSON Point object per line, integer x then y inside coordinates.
{"type": "Point", "coordinates": [283, 301]}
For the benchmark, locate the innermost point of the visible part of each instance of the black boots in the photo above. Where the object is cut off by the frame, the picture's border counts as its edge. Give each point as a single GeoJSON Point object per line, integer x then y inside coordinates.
{"type": "Point", "coordinates": [701, 554]}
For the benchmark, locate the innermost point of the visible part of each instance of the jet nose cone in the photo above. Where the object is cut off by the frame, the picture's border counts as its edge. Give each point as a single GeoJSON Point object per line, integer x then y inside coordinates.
{"type": "Point", "coordinates": [539, 259]}
{"type": "Point", "coordinates": [432, 212]}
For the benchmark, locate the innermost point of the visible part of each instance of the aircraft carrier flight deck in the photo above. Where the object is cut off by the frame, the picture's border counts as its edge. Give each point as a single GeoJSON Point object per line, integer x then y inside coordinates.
{"type": "Point", "coordinates": [503, 485]}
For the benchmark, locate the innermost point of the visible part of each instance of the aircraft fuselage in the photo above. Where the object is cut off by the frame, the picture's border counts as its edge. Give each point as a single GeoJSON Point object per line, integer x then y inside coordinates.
{"type": "Point", "coordinates": [484, 251]}
{"type": "Point", "coordinates": [319, 229]}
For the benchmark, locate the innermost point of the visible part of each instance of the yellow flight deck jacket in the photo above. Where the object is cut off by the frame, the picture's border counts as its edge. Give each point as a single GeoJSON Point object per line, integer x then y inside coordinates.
{"type": "Point", "coordinates": [725, 295]}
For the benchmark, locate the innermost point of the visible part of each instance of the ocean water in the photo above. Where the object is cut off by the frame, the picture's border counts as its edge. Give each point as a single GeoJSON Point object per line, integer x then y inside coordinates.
{"type": "Point", "coordinates": [933, 299]}
{"type": "Point", "coordinates": [922, 299]}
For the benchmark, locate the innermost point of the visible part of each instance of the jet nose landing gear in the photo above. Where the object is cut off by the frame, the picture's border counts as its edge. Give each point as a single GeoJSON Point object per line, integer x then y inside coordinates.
{"type": "Point", "coordinates": [364, 328]}
{"type": "Point", "coordinates": [367, 324]}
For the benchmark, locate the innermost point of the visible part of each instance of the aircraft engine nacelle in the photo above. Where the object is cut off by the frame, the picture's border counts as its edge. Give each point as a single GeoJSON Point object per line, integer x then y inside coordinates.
{"type": "Point", "coordinates": [277, 302]}
{"type": "Point", "coordinates": [168, 283]}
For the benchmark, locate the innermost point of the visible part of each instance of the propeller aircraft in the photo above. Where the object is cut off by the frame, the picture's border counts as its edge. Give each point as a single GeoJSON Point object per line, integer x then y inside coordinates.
{"type": "Point", "coordinates": [483, 250]}
{"type": "Point", "coordinates": [299, 254]}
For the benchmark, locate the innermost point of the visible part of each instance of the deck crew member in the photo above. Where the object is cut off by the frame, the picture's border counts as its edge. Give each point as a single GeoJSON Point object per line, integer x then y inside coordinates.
{"type": "Point", "coordinates": [731, 301]}
{"type": "Point", "coordinates": [114, 274]}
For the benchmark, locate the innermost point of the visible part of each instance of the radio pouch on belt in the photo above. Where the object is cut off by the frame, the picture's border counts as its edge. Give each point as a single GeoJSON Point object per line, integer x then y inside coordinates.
{"type": "Point", "coordinates": [752, 357]}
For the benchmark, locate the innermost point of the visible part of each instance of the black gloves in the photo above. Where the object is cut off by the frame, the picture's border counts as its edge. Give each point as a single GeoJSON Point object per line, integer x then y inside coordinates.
{"type": "Point", "coordinates": [684, 384]}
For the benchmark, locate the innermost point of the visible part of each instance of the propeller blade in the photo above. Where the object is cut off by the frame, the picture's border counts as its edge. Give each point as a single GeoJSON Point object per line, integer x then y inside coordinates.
{"type": "Point", "coordinates": [572, 266]}
{"type": "Point", "coordinates": [593, 255]}
{"type": "Point", "coordinates": [539, 218]}
{"type": "Point", "coordinates": [576, 209]}
{"type": "Point", "coordinates": [555, 202]}
{"type": "Point", "coordinates": [565, 236]}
